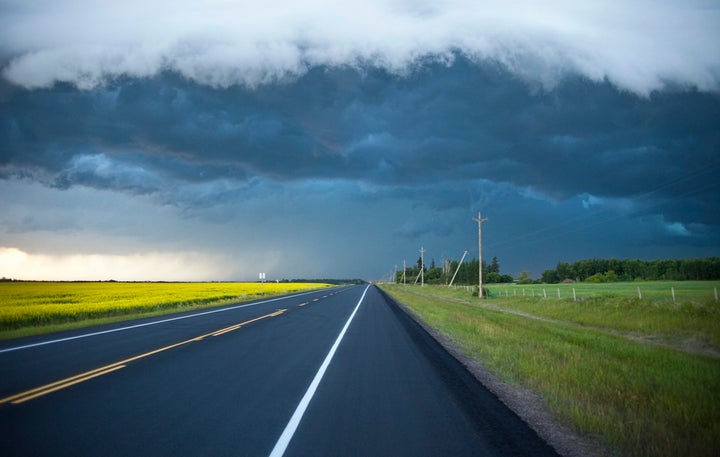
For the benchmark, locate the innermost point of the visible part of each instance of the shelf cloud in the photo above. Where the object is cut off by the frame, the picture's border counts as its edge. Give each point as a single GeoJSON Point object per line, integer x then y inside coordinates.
{"type": "Point", "coordinates": [640, 46]}
{"type": "Point", "coordinates": [387, 124]}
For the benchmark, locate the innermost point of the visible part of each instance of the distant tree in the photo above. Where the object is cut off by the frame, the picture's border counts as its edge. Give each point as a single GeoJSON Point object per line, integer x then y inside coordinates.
{"type": "Point", "coordinates": [494, 266]}
{"type": "Point", "coordinates": [565, 271]}
{"type": "Point", "coordinates": [491, 278]}
{"type": "Point", "coordinates": [470, 272]}
{"type": "Point", "coordinates": [632, 269]}
{"type": "Point", "coordinates": [506, 279]}
{"type": "Point", "coordinates": [524, 278]}
{"type": "Point", "coordinates": [550, 277]}
{"type": "Point", "coordinates": [434, 276]}
{"type": "Point", "coordinates": [597, 277]}
{"type": "Point", "coordinates": [611, 276]}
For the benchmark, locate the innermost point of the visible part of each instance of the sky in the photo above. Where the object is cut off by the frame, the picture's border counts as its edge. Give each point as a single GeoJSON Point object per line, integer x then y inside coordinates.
{"type": "Point", "coordinates": [217, 139]}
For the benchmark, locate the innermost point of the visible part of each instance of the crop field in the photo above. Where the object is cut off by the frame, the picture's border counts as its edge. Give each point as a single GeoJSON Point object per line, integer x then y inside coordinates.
{"type": "Point", "coordinates": [641, 375]}
{"type": "Point", "coordinates": [36, 307]}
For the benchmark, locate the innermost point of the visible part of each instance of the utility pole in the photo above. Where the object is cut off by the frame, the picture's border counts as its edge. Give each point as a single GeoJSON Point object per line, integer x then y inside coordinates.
{"type": "Point", "coordinates": [422, 267]}
{"type": "Point", "coordinates": [457, 269]}
{"type": "Point", "coordinates": [404, 268]}
{"type": "Point", "coordinates": [479, 220]}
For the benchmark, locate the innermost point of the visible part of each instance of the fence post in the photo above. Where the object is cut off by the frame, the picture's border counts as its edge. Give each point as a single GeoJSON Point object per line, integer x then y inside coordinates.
{"type": "Point", "coordinates": [639, 293]}
{"type": "Point", "coordinates": [672, 289]}
{"type": "Point", "coordinates": [558, 292]}
{"type": "Point", "coordinates": [574, 297]}
{"type": "Point", "coordinates": [544, 294]}
{"type": "Point", "coordinates": [716, 295]}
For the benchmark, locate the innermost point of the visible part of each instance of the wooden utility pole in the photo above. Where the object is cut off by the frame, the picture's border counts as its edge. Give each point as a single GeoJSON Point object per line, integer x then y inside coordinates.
{"type": "Point", "coordinates": [479, 220]}
{"type": "Point", "coordinates": [422, 267]}
{"type": "Point", "coordinates": [457, 269]}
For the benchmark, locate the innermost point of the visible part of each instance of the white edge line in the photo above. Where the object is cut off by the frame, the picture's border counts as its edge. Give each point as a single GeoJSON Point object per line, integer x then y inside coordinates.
{"type": "Point", "coordinates": [85, 335]}
{"type": "Point", "coordinates": [292, 425]}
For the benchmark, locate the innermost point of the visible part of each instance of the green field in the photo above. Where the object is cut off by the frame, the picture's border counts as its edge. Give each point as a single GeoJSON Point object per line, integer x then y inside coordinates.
{"type": "Point", "coordinates": [692, 320]}
{"type": "Point", "coordinates": [643, 375]}
{"type": "Point", "coordinates": [656, 291]}
{"type": "Point", "coordinates": [28, 308]}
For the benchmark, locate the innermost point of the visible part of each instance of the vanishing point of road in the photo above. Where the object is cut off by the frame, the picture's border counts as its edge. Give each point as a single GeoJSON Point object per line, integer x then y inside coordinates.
{"type": "Point", "coordinates": [335, 372]}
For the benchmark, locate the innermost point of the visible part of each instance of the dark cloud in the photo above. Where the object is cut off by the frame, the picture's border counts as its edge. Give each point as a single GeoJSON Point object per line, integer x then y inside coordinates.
{"type": "Point", "coordinates": [580, 131]}
{"type": "Point", "coordinates": [456, 123]}
{"type": "Point", "coordinates": [413, 230]}
{"type": "Point", "coordinates": [359, 155]}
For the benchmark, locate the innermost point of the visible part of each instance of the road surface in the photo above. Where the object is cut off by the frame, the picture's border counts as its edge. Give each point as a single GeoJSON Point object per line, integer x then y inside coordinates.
{"type": "Point", "coordinates": [335, 372]}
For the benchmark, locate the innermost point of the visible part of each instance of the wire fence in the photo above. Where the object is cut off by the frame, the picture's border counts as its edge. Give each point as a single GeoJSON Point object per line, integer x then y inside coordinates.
{"type": "Point", "coordinates": [691, 291]}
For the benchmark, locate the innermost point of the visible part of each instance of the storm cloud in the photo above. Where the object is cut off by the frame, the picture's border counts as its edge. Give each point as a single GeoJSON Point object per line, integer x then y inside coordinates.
{"type": "Point", "coordinates": [639, 46]}
{"type": "Point", "coordinates": [421, 114]}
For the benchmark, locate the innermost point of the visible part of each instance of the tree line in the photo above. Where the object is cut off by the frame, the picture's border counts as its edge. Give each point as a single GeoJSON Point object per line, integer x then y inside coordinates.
{"type": "Point", "coordinates": [610, 270]}
{"type": "Point", "coordinates": [442, 274]}
{"type": "Point", "coordinates": [587, 270]}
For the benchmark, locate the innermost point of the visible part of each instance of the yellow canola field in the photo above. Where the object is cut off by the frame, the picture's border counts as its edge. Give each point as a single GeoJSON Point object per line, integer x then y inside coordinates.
{"type": "Point", "coordinates": [26, 304]}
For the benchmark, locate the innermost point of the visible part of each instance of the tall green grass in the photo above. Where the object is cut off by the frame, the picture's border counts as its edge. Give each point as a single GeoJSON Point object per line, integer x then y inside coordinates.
{"type": "Point", "coordinates": [641, 399]}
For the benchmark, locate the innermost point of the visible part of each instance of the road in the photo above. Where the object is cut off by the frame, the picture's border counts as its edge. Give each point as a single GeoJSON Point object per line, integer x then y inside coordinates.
{"type": "Point", "coordinates": [341, 371]}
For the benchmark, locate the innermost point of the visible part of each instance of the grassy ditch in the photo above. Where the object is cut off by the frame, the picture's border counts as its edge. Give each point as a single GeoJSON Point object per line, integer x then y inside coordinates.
{"type": "Point", "coordinates": [641, 399]}
{"type": "Point", "coordinates": [31, 308]}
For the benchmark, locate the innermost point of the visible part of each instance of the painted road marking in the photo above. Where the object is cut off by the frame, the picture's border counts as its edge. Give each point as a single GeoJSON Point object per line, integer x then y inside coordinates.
{"type": "Point", "coordinates": [303, 304]}
{"type": "Point", "coordinates": [237, 326]}
{"type": "Point", "coordinates": [292, 425]}
{"type": "Point", "coordinates": [85, 335]}
{"type": "Point", "coordinates": [44, 390]}
{"type": "Point", "coordinates": [67, 382]}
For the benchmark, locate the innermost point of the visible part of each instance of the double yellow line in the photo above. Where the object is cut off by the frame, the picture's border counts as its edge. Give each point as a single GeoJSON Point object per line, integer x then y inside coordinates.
{"type": "Point", "coordinates": [22, 397]}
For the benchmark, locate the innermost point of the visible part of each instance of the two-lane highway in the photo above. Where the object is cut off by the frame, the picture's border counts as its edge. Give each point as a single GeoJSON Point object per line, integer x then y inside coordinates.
{"type": "Point", "coordinates": [334, 372]}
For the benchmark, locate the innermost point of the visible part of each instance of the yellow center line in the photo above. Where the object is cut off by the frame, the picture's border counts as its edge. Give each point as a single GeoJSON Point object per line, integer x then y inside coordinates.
{"type": "Point", "coordinates": [22, 398]}
{"type": "Point", "coordinates": [224, 331]}
{"type": "Point", "coordinates": [78, 378]}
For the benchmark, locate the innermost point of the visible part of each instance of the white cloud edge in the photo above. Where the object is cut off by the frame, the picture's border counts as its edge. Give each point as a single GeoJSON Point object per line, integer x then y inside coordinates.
{"type": "Point", "coordinates": [640, 46]}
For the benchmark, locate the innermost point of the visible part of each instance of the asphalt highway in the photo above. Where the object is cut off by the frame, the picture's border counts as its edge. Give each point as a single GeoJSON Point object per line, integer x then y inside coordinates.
{"type": "Point", "coordinates": [337, 372]}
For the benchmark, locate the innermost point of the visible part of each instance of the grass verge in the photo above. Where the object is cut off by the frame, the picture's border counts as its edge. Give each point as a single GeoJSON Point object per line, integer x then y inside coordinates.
{"type": "Point", "coordinates": [642, 400]}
